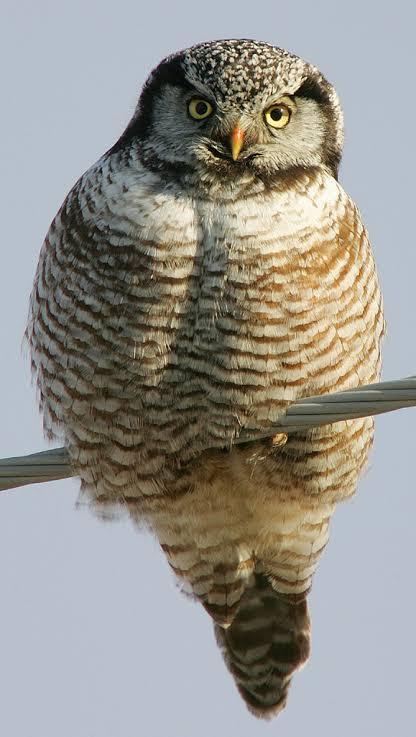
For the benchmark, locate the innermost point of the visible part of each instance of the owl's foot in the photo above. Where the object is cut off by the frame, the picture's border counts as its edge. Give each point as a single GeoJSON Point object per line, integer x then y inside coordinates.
{"type": "Point", "coordinates": [279, 439]}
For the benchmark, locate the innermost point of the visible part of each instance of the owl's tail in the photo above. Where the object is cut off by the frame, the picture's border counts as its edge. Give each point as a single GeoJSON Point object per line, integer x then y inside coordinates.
{"type": "Point", "coordinates": [268, 640]}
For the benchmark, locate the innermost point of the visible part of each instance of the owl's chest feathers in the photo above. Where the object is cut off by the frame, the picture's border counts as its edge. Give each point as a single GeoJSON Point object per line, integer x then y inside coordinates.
{"type": "Point", "coordinates": [237, 279]}
{"type": "Point", "coordinates": [215, 311]}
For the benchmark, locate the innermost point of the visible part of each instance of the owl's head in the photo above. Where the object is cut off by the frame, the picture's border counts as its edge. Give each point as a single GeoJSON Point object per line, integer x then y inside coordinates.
{"type": "Point", "coordinates": [233, 106]}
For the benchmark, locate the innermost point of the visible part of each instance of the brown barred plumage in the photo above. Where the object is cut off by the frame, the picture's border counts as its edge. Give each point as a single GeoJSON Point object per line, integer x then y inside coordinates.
{"type": "Point", "coordinates": [268, 641]}
{"type": "Point", "coordinates": [181, 295]}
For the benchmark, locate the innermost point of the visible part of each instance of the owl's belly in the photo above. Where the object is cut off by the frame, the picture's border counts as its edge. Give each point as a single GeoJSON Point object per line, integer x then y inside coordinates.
{"type": "Point", "coordinates": [227, 527]}
{"type": "Point", "coordinates": [256, 509]}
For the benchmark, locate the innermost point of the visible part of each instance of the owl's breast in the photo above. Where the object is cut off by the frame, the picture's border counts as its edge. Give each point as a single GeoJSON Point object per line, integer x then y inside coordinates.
{"type": "Point", "coordinates": [282, 303]}
{"type": "Point", "coordinates": [160, 318]}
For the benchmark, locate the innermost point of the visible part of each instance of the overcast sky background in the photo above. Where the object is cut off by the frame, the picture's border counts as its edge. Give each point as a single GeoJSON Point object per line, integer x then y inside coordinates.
{"type": "Point", "coordinates": [95, 639]}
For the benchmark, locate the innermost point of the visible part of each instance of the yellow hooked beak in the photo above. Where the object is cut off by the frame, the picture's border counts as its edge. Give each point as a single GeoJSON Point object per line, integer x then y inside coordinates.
{"type": "Point", "coordinates": [236, 141]}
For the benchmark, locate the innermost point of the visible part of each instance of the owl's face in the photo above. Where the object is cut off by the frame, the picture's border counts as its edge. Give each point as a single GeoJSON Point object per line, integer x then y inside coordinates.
{"type": "Point", "coordinates": [231, 107]}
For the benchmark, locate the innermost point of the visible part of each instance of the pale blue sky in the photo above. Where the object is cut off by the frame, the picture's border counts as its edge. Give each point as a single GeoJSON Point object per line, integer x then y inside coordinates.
{"type": "Point", "coordinates": [95, 640]}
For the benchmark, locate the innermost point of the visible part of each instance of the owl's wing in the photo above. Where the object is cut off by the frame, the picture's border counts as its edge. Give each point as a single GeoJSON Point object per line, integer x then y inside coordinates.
{"type": "Point", "coordinates": [102, 318]}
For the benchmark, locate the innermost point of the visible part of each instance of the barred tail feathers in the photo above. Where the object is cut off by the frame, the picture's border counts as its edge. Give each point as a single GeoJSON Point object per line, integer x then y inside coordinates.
{"type": "Point", "coordinates": [268, 640]}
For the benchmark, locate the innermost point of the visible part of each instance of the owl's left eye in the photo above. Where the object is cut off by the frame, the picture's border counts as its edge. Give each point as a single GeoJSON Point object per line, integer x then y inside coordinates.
{"type": "Point", "coordinates": [278, 115]}
{"type": "Point", "coordinates": [199, 109]}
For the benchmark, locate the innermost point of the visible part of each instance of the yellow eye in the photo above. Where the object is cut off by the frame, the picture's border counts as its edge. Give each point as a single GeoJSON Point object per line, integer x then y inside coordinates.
{"type": "Point", "coordinates": [199, 109]}
{"type": "Point", "coordinates": [278, 115]}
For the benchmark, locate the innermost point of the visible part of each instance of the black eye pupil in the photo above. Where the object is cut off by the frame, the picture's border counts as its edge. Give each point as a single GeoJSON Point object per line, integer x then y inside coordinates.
{"type": "Point", "coordinates": [276, 113]}
{"type": "Point", "coordinates": [201, 108]}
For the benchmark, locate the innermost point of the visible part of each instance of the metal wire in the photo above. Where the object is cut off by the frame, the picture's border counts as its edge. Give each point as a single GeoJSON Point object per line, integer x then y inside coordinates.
{"type": "Point", "coordinates": [372, 399]}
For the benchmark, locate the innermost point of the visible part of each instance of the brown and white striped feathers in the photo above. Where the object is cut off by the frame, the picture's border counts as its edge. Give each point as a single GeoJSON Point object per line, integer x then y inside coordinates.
{"type": "Point", "coordinates": [205, 272]}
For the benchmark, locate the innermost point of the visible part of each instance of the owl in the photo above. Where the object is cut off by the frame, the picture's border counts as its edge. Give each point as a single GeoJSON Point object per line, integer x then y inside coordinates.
{"type": "Point", "coordinates": [206, 272]}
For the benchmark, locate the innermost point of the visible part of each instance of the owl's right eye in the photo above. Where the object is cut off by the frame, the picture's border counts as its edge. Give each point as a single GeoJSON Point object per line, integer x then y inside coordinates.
{"type": "Point", "coordinates": [199, 109]}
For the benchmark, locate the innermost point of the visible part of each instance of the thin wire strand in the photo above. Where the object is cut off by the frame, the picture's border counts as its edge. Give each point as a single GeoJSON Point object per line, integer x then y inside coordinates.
{"type": "Point", "coordinates": [373, 399]}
